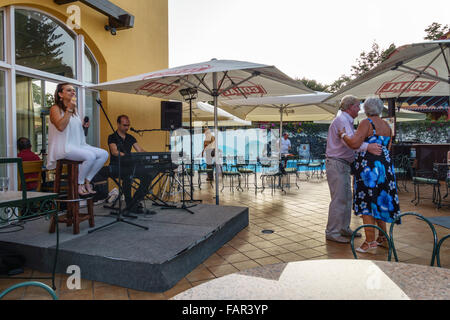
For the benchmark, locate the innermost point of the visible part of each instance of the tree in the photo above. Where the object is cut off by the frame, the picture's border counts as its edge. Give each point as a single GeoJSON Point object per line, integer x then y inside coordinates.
{"type": "Point", "coordinates": [39, 43]}
{"type": "Point", "coordinates": [314, 85]}
{"type": "Point", "coordinates": [339, 83]}
{"type": "Point", "coordinates": [435, 31]}
{"type": "Point", "coordinates": [369, 60]}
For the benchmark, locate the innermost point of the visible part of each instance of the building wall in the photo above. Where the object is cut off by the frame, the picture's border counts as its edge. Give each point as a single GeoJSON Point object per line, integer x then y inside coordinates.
{"type": "Point", "coordinates": [141, 49]}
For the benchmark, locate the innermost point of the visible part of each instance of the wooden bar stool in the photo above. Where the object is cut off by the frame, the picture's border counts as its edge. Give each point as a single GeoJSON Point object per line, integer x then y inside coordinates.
{"type": "Point", "coordinates": [73, 216]}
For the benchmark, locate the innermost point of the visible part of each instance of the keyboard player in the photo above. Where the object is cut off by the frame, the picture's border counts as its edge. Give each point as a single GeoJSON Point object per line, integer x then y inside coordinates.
{"type": "Point", "coordinates": [127, 142]}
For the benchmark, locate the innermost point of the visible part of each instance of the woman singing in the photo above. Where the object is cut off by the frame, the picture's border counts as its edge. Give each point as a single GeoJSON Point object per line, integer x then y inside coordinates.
{"type": "Point", "coordinates": [66, 139]}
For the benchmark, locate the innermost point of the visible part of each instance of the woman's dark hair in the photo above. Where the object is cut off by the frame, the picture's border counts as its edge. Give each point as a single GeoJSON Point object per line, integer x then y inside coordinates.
{"type": "Point", "coordinates": [58, 101]}
{"type": "Point", "coordinates": [23, 144]}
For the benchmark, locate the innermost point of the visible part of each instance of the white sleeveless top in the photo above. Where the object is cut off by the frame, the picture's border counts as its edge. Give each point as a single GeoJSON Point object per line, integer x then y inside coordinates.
{"type": "Point", "coordinates": [60, 143]}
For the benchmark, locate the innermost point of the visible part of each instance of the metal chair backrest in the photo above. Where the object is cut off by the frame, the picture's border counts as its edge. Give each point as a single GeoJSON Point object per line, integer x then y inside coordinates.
{"type": "Point", "coordinates": [21, 176]}
{"type": "Point", "coordinates": [391, 245]}
{"type": "Point", "coordinates": [27, 284]}
{"type": "Point", "coordinates": [433, 230]}
{"type": "Point", "coordinates": [438, 250]}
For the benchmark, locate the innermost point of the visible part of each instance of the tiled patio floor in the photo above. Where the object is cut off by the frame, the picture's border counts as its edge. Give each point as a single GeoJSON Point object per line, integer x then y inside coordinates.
{"type": "Point", "coordinates": [298, 219]}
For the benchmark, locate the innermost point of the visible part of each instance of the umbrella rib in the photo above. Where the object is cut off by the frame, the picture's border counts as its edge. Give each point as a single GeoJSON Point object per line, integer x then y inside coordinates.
{"type": "Point", "coordinates": [194, 85]}
{"type": "Point", "coordinates": [203, 82]}
{"type": "Point", "coordinates": [221, 80]}
{"type": "Point", "coordinates": [236, 85]}
{"type": "Point", "coordinates": [231, 80]}
{"type": "Point", "coordinates": [445, 59]}
{"type": "Point", "coordinates": [423, 74]}
{"type": "Point", "coordinates": [417, 75]}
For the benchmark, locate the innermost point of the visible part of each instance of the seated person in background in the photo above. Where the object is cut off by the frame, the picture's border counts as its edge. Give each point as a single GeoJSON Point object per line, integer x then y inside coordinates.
{"type": "Point", "coordinates": [125, 142]}
{"type": "Point", "coordinates": [24, 148]}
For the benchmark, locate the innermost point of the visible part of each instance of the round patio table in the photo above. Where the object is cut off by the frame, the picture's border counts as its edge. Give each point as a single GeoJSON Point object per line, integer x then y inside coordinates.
{"type": "Point", "coordinates": [328, 280]}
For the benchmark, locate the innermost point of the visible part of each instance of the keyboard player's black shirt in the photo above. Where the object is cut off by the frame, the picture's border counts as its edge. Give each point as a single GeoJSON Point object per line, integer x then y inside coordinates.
{"type": "Point", "coordinates": [124, 145]}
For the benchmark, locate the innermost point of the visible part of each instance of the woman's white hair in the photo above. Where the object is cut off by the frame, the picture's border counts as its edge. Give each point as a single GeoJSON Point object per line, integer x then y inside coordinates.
{"type": "Point", "coordinates": [373, 106]}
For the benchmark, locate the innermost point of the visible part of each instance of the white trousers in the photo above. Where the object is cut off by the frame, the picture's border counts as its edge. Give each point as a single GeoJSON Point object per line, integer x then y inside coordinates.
{"type": "Point", "coordinates": [93, 160]}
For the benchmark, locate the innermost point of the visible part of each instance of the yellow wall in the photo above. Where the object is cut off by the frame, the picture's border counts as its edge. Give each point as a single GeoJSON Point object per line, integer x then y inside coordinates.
{"type": "Point", "coordinates": [141, 49]}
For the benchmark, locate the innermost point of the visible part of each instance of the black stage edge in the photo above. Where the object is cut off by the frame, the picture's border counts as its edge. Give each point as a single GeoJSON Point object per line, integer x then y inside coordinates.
{"type": "Point", "coordinates": [151, 260]}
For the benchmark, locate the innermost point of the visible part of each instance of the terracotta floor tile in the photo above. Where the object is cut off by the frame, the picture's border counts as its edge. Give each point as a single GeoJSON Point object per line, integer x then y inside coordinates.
{"type": "Point", "coordinates": [86, 294]}
{"type": "Point", "coordinates": [178, 288]}
{"type": "Point", "coordinates": [264, 244]}
{"type": "Point", "coordinates": [281, 241]}
{"type": "Point", "coordinates": [110, 292]}
{"type": "Point", "coordinates": [245, 247]}
{"type": "Point", "coordinates": [308, 253]}
{"type": "Point", "coordinates": [142, 295]}
{"type": "Point", "coordinates": [223, 270]}
{"type": "Point", "coordinates": [214, 260]}
{"type": "Point", "coordinates": [289, 257]}
{"type": "Point", "coordinates": [200, 274]}
{"type": "Point", "coordinates": [268, 260]}
{"type": "Point", "coordinates": [244, 265]}
{"type": "Point", "coordinates": [294, 246]}
{"type": "Point", "coordinates": [255, 254]}
{"type": "Point", "coordinates": [238, 257]}
{"type": "Point", "coordinates": [311, 243]}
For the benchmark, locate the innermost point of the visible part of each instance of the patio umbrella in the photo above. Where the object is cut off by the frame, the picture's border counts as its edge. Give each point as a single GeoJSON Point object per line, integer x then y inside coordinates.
{"type": "Point", "coordinates": [304, 107]}
{"type": "Point", "coordinates": [418, 69]}
{"type": "Point", "coordinates": [402, 115]}
{"type": "Point", "coordinates": [200, 114]}
{"type": "Point", "coordinates": [214, 79]}
{"type": "Point", "coordinates": [413, 70]}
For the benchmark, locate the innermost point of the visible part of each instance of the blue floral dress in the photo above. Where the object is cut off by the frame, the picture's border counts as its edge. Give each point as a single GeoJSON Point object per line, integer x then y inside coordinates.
{"type": "Point", "coordinates": [375, 185]}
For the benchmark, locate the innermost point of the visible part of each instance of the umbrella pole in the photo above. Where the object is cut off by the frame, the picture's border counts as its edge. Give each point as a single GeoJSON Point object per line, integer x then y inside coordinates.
{"type": "Point", "coordinates": [216, 134]}
{"type": "Point", "coordinates": [281, 131]}
{"type": "Point", "coordinates": [192, 157]}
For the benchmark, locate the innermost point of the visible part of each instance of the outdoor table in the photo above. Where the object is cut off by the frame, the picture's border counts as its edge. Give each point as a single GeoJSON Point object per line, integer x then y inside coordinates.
{"type": "Point", "coordinates": [20, 207]}
{"type": "Point", "coordinates": [331, 279]}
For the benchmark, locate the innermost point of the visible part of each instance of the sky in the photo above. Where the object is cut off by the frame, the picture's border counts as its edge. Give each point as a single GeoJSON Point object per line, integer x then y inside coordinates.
{"type": "Point", "coordinates": [318, 40]}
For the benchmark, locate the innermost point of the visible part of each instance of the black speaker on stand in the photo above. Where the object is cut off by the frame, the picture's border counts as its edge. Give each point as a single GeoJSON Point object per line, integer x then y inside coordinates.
{"type": "Point", "coordinates": [171, 115]}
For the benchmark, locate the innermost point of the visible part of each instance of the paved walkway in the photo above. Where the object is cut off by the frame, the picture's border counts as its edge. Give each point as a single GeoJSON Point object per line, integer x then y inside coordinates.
{"type": "Point", "coordinates": [298, 220]}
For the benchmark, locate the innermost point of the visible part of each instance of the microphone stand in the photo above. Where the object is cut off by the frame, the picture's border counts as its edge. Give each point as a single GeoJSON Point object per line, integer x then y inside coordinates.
{"type": "Point", "coordinates": [119, 213]}
{"type": "Point", "coordinates": [183, 201]}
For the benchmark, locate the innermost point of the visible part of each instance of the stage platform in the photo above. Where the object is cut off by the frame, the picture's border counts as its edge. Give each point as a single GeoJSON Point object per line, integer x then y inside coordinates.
{"type": "Point", "coordinates": [151, 260]}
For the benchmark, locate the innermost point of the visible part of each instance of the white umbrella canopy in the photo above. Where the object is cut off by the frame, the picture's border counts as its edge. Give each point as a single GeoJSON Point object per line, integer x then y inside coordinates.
{"type": "Point", "coordinates": [401, 116]}
{"type": "Point", "coordinates": [418, 69]}
{"type": "Point", "coordinates": [199, 114]}
{"type": "Point", "coordinates": [214, 79]}
{"type": "Point", "coordinates": [305, 107]}
{"type": "Point", "coordinates": [234, 80]}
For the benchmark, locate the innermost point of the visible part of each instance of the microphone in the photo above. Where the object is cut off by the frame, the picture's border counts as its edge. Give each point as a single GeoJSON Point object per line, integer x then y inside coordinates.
{"type": "Point", "coordinates": [98, 101]}
{"type": "Point", "coordinates": [134, 130]}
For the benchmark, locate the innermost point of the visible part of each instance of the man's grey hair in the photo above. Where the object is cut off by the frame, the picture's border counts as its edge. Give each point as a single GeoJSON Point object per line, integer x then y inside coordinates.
{"type": "Point", "coordinates": [373, 106]}
{"type": "Point", "coordinates": [348, 101]}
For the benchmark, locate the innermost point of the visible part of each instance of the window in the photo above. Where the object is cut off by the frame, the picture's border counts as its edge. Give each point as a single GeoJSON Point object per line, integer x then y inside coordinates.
{"type": "Point", "coordinates": [2, 121]}
{"type": "Point", "coordinates": [2, 38]}
{"type": "Point", "coordinates": [2, 115]}
{"type": "Point", "coordinates": [90, 67]}
{"type": "Point", "coordinates": [91, 110]}
{"type": "Point", "coordinates": [33, 98]}
{"type": "Point", "coordinates": [44, 44]}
